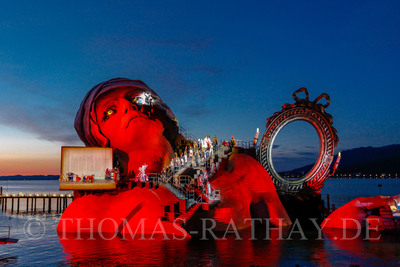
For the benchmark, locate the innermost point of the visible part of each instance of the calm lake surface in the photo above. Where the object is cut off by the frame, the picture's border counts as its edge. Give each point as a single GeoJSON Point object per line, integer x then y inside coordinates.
{"type": "Point", "coordinates": [39, 244]}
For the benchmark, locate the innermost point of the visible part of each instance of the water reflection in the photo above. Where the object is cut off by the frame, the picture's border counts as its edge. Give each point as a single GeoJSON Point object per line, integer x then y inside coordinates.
{"type": "Point", "coordinates": [268, 250]}
{"type": "Point", "coordinates": [226, 250]}
{"type": "Point", "coordinates": [6, 259]}
{"type": "Point", "coordinates": [286, 248]}
{"type": "Point", "coordinates": [121, 252]}
{"type": "Point", "coordinates": [360, 244]}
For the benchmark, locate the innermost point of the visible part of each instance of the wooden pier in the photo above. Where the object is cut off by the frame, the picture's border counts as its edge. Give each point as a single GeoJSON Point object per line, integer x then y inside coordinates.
{"type": "Point", "coordinates": [35, 203]}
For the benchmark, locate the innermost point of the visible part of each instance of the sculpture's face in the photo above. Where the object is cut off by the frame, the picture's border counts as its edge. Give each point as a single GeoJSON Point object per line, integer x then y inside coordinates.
{"type": "Point", "coordinates": [121, 119]}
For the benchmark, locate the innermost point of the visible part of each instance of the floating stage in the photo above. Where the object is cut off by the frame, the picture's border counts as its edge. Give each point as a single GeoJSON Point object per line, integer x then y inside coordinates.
{"type": "Point", "coordinates": [89, 185]}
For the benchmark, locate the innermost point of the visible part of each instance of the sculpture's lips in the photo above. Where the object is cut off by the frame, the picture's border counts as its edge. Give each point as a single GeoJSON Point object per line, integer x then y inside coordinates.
{"type": "Point", "coordinates": [133, 118]}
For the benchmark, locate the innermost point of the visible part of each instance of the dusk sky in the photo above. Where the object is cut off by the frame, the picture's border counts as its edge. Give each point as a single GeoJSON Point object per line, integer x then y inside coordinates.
{"type": "Point", "coordinates": [223, 67]}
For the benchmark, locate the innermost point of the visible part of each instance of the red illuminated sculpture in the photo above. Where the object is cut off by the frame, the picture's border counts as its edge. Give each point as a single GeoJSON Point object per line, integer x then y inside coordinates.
{"type": "Point", "coordinates": [374, 213]}
{"type": "Point", "coordinates": [131, 118]}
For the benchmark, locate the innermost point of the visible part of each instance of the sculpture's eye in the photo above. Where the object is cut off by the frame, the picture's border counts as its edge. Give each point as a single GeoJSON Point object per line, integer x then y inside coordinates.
{"type": "Point", "coordinates": [108, 113]}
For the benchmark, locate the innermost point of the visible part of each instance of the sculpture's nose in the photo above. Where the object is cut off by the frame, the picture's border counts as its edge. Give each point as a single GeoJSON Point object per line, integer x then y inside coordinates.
{"type": "Point", "coordinates": [130, 106]}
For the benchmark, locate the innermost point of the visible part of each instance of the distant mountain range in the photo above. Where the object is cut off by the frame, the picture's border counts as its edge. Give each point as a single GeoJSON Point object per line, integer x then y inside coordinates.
{"type": "Point", "coordinates": [30, 177]}
{"type": "Point", "coordinates": [365, 160]}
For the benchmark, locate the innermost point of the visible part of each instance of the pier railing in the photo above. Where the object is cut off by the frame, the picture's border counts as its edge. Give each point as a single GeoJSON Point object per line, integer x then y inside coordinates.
{"type": "Point", "coordinates": [245, 144]}
{"type": "Point", "coordinates": [33, 203]}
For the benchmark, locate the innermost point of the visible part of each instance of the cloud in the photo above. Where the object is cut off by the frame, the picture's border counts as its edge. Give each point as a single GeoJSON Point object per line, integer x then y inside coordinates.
{"type": "Point", "coordinates": [276, 146]}
{"type": "Point", "coordinates": [37, 106]}
{"type": "Point", "coordinates": [48, 113]}
{"type": "Point", "coordinates": [196, 110]}
{"type": "Point", "coordinates": [48, 123]}
{"type": "Point", "coordinates": [192, 43]}
{"type": "Point", "coordinates": [310, 147]}
{"type": "Point", "coordinates": [205, 69]}
{"type": "Point", "coordinates": [183, 96]}
{"type": "Point", "coordinates": [127, 41]}
{"type": "Point", "coordinates": [43, 105]}
{"type": "Point", "coordinates": [174, 84]}
{"type": "Point", "coordinates": [286, 163]}
{"type": "Point", "coordinates": [307, 154]}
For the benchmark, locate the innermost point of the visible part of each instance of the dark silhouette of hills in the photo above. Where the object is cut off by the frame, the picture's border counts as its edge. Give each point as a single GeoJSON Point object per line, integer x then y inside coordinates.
{"type": "Point", "coordinates": [30, 177]}
{"type": "Point", "coordinates": [365, 160]}
{"type": "Point", "coordinates": [362, 160]}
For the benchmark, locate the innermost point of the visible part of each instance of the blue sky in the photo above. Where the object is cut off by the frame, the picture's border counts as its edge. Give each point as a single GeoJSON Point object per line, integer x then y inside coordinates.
{"type": "Point", "coordinates": [223, 68]}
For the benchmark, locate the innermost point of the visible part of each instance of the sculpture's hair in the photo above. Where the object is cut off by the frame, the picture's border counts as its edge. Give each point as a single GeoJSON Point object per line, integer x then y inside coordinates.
{"type": "Point", "coordinates": [86, 123]}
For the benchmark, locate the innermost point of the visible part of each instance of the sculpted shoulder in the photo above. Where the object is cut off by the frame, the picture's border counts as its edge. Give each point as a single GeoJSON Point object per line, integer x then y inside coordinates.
{"type": "Point", "coordinates": [242, 168]}
{"type": "Point", "coordinates": [241, 164]}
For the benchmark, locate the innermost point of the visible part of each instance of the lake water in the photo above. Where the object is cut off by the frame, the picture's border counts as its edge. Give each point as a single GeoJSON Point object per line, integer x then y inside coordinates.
{"type": "Point", "coordinates": [40, 245]}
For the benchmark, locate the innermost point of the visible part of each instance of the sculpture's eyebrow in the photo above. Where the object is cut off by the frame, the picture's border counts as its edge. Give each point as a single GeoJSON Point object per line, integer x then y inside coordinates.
{"type": "Point", "coordinates": [109, 103]}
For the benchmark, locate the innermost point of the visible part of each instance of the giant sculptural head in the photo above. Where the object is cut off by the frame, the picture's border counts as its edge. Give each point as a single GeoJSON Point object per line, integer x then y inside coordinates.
{"type": "Point", "coordinates": [129, 117]}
